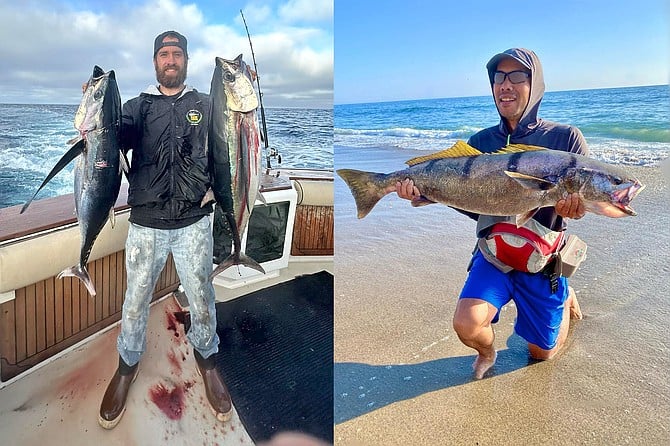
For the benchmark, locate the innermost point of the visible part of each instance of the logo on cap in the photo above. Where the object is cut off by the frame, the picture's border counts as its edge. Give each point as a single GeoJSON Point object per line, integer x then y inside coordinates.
{"type": "Point", "coordinates": [194, 117]}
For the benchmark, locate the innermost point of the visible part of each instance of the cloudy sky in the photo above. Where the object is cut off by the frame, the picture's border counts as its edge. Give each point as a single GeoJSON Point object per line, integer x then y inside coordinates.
{"type": "Point", "coordinates": [437, 48]}
{"type": "Point", "coordinates": [49, 47]}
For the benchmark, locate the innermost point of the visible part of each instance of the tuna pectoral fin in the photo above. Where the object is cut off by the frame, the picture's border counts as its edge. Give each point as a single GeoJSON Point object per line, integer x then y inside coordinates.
{"type": "Point", "coordinates": [236, 259]}
{"type": "Point", "coordinates": [71, 154]}
{"type": "Point", "coordinates": [366, 187]}
{"type": "Point", "coordinates": [80, 273]}
{"type": "Point", "coordinates": [531, 182]}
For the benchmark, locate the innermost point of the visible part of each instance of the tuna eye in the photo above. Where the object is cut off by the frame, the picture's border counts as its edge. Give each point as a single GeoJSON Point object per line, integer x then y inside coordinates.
{"type": "Point", "coordinates": [97, 94]}
{"type": "Point", "coordinates": [228, 76]}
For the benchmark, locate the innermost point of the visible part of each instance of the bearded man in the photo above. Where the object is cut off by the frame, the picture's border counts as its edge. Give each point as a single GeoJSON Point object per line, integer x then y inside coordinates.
{"type": "Point", "coordinates": [166, 129]}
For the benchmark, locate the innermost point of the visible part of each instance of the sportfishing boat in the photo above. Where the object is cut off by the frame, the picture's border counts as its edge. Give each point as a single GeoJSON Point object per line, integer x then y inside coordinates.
{"type": "Point", "coordinates": [58, 343]}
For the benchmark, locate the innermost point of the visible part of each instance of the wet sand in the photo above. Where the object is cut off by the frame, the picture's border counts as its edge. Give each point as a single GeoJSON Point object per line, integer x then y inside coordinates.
{"type": "Point", "coordinates": [403, 377]}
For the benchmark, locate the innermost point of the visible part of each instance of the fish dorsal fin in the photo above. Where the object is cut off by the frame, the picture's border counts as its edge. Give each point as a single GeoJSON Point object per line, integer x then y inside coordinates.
{"type": "Point", "coordinates": [461, 148]}
{"type": "Point", "coordinates": [516, 148]}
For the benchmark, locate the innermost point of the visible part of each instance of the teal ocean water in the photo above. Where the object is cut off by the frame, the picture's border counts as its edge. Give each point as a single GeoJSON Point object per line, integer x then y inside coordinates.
{"type": "Point", "coordinates": [621, 125]}
{"type": "Point", "coordinates": [34, 137]}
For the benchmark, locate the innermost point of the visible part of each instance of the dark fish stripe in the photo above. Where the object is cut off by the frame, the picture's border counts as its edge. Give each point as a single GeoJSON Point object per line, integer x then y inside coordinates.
{"type": "Point", "coordinates": [571, 165]}
{"type": "Point", "coordinates": [467, 166]}
{"type": "Point", "coordinates": [430, 165]}
{"type": "Point", "coordinates": [513, 162]}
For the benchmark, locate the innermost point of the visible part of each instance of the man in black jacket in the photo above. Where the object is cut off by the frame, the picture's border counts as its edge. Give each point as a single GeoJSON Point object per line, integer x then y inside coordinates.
{"type": "Point", "coordinates": [166, 129]}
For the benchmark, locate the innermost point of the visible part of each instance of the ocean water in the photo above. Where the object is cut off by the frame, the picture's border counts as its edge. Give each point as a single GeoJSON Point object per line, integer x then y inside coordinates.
{"type": "Point", "coordinates": [34, 137]}
{"type": "Point", "coordinates": [621, 125]}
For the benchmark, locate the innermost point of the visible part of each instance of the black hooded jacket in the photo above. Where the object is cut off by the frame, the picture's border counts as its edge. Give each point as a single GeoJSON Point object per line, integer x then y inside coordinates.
{"type": "Point", "coordinates": [531, 130]}
{"type": "Point", "coordinates": [169, 173]}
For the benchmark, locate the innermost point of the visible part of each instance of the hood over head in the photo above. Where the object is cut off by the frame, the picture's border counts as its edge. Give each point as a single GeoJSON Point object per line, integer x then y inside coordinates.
{"type": "Point", "coordinates": [528, 59]}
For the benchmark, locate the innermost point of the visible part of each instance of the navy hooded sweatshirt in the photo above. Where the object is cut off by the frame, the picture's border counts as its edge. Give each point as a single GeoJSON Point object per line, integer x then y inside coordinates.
{"type": "Point", "coordinates": [530, 130]}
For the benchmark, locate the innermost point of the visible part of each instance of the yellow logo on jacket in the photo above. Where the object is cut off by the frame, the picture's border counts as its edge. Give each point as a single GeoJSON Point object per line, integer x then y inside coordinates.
{"type": "Point", "coordinates": [194, 117]}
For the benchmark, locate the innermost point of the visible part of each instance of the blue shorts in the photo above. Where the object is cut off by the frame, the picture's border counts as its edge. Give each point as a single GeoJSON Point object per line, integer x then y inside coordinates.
{"type": "Point", "coordinates": [539, 311]}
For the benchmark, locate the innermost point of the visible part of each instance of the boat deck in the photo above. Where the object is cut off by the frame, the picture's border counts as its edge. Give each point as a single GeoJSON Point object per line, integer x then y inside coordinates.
{"type": "Point", "coordinates": [58, 400]}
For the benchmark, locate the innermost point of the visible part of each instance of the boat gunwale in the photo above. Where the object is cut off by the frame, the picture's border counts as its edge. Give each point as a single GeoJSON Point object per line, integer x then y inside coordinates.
{"type": "Point", "coordinates": [57, 213]}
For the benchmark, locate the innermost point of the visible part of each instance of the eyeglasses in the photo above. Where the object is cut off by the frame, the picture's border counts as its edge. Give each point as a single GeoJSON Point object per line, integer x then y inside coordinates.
{"type": "Point", "coordinates": [515, 77]}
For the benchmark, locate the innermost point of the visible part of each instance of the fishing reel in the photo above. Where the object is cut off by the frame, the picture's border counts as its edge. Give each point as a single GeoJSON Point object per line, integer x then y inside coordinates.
{"type": "Point", "coordinates": [272, 153]}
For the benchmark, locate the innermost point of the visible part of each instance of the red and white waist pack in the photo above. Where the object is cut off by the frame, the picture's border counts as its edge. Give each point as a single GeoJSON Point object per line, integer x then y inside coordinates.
{"type": "Point", "coordinates": [531, 247]}
{"type": "Point", "coordinates": [528, 248]}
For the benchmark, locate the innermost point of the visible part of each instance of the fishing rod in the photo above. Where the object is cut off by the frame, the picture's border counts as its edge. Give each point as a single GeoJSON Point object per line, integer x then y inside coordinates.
{"type": "Point", "coordinates": [270, 152]}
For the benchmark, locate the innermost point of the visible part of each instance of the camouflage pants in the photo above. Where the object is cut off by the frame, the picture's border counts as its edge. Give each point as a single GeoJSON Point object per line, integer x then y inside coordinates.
{"type": "Point", "coordinates": [146, 252]}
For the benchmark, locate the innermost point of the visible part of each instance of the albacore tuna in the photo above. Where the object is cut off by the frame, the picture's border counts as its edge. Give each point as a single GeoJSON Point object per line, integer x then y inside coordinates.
{"type": "Point", "coordinates": [97, 173]}
{"type": "Point", "coordinates": [516, 180]}
{"type": "Point", "coordinates": [234, 151]}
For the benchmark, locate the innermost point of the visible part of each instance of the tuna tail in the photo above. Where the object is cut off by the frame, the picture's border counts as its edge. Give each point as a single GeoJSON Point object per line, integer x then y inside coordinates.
{"type": "Point", "coordinates": [80, 273]}
{"type": "Point", "coordinates": [366, 187]}
{"type": "Point", "coordinates": [236, 258]}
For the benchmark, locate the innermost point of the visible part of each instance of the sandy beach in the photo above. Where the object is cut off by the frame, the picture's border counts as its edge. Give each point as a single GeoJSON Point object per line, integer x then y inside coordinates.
{"type": "Point", "coordinates": [403, 377]}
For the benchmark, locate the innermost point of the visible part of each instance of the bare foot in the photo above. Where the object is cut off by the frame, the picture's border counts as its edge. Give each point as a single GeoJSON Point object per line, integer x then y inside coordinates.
{"type": "Point", "coordinates": [482, 364]}
{"type": "Point", "coordinates": [575, 311]}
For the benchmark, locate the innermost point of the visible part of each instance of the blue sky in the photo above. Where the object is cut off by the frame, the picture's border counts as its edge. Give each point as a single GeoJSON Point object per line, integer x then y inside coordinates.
{"type": "Point", "coordinates": [49, 47]}
{"type": "Point", "coordinates": [396, 50]}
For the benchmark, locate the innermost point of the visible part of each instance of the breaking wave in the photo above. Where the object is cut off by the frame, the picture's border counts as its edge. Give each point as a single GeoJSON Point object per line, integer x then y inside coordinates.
{"type": "Point", "coordinates": [623, 126]}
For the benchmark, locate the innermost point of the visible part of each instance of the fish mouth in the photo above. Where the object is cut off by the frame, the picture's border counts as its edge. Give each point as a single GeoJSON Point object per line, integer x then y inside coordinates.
{"type": "Point", "coordinates": [622, 197]}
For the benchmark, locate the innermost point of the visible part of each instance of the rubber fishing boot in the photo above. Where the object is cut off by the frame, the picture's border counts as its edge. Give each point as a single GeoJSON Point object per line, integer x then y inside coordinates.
{"type": "Point", "coordinates": [114, 402]}
{"type": "Point", "coordinates": [217, 393]}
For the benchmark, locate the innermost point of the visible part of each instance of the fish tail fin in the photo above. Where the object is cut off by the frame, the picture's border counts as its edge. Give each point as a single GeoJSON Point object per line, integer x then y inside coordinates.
{"type": "Point", "coordinates": [366, 187]}
{"type": "Point", "coordinates": [247, 261]}
{"type": "Point", "coordinates": [80, 273]}
{"type": "Point", "coordinates": [236, 259]}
